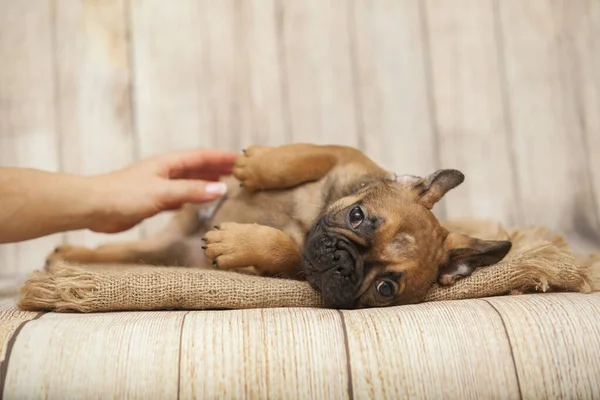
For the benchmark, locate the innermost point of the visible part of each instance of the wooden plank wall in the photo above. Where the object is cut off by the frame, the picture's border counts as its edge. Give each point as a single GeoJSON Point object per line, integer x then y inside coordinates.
{"type": "Point", "coordinates": [507, 91]}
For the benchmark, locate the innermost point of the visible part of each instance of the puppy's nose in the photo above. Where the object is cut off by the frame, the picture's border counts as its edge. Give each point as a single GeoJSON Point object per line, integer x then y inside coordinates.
{"type": "Point", "coordinates": [343, 263]}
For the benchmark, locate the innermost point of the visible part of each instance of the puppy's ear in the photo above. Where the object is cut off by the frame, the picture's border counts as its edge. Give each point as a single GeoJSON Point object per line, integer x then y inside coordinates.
{"type": "Point", "coordinates": [466, 253]}
{"type": "Point", "coordinates": [433, 187]}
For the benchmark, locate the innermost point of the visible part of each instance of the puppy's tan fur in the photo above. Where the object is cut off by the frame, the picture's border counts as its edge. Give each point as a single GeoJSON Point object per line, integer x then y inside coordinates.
{"type": "Point", "coordinates": [289, 191]}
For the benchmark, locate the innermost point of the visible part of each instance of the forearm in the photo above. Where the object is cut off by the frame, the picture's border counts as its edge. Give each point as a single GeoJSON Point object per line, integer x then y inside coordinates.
{"type": "Point", "coordinates": [35, 203]}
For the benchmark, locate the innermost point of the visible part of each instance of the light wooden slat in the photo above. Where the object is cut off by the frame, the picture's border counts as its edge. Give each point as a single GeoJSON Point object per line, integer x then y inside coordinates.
{"type": "Point", "coordinates": [221, 72]}
{"type": "Point", "coordinates": [276, 353]}
{"type": "Point", "coordinates": [474, 134]}
{"type": "Point", "coordinates": [112, 355]}
{"type": "Point", "coordinates": [392, 86]}
{"type": "Point", "coordinates": [319, 79]}
{"type": "Point", "coordinates": [432, 350]}
{"type": "Point", "coordinates": [28, 136]}
{"type": "Point", "coordinates": [219, 87]}
{"type": "Point", "coordinates": [243, 87]}
{"type": "Point", "coordinates": [591, 49]}
{"type": "Point", "coordinates": [167, 60]}
{"type": "Point", "coordinates": [548, 137]}
{"type": "Point", "coordinates": [581, 22]}
{"type": "Point", "coordinates": [556, 343]}
{"type": "Point", "coordinates": [10, 320]}
{"type": "Point", "coordinates": [94, 115]}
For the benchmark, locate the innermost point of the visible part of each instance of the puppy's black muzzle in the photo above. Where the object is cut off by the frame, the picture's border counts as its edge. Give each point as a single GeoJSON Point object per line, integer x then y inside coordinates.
{"type": "Point", "coordinates": [333, 267]}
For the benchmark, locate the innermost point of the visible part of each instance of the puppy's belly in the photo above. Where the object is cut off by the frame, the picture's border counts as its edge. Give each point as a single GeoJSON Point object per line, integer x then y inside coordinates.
{"type": "Point", "coordinates": [194, 255]}
{"type": "Point", "coordinates": [291, 211]}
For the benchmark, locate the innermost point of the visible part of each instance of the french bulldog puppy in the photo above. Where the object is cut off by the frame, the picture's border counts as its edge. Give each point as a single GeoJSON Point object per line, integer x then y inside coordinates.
{"type": "Point", "coordinates": [361, 236]}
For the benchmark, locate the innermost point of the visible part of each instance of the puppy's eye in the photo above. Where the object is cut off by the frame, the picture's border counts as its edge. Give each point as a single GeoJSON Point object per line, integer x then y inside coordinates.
{"type": "Point", "coordinates": [356, 217]}
{"type": "Point", "coordinates": [386, 288]}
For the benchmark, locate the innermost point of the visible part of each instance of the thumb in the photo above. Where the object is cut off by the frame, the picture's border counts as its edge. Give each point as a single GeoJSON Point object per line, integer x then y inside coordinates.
{"type": "Point", "coordinates": [180, 191]}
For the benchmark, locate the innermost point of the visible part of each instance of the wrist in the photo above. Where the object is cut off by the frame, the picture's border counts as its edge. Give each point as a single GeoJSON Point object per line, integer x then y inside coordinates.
{"type": "Point", "coordinates": [86, 208]}
{"type": "Point", "coordinates": [102, 202]}
{"type": "Point", "coordinates": [37, 203]}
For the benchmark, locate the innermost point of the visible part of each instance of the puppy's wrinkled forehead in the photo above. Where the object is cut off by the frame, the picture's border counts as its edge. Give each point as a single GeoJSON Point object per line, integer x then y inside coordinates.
{"type": "Point", "coordinates": [399, 208]}
{"type": "Point", "coordinates": [377, 193]}
{"type": "Point", "coordinates": [395, 205]}
{"type": "Point", "coordinates": [385, 194]}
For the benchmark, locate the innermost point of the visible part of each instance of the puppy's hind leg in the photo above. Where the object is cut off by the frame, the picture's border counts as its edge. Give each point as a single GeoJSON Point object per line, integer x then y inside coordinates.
{"type": "Point", "coordinates": [173, 246]}
{"type": "Point", "coordinates": [151, 252]}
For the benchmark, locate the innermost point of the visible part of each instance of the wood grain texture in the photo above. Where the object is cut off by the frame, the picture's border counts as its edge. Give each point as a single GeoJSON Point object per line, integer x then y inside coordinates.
{"type": "Point", "coordinates": [549, 141]}
{"type": "Point", "coordinates": [420, 362]}
{"type": "Point", "coordinates": [392, 86]}
{"type": "Point", "coordinates": [474, 135]}
{"type": "Point", "coordinates": [242, 74]}
{"type": "Point", "coordinates": [28, 134]}
{"type": "Point", "coordinates": [115, 355]}
{"type": "Point", "coordinates": [93, 96]}
{"type": "Point", "coordinates": [581, 65]}
{"type": "Point", "coordinates": [534, 346]}
{"type": "Point", "coordinates": [166, 77]}
{"type": "Point", "coordinates": [319, 76]}
{"type": "Point", "coordinates": [278, 353]}
{"type": "Point", "coordinates": [555, 342]}
{"type": "Point", "coordinates": [10, 320]}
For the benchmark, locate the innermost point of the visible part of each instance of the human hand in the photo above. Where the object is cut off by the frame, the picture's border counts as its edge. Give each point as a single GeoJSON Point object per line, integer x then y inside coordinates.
{"type": "Point", "coordinates": [159, 183]}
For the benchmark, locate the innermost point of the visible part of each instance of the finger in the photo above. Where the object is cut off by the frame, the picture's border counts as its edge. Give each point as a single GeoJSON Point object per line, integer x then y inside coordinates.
{"type": "Point", "coordinates": [178, 192]}
{"type": "Point", "coordinates": [204, 177]}
{"type": "Point", "coordinates": [181, 162]}
{"type": "Point", "coordinates": [206, 174]}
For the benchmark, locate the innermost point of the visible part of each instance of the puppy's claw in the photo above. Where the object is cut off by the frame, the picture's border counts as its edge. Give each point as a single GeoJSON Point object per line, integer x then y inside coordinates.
{"type": "Point", "coordinates": [244, 151]}
{"type": "Point", "coordinates": [203, 239]}
{"type": "Point", "coordinates": [204, 247]}
{"type": "Point", "coordinates": [56, 249]}
{"type": "Point", "coordinates": [217, 227]}
{"type": "Point", "coordinates": [215, 262]}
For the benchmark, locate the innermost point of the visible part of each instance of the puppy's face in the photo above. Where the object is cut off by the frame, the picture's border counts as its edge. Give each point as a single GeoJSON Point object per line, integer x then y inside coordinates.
{"type": "Point", "coordinates": [383, 246]}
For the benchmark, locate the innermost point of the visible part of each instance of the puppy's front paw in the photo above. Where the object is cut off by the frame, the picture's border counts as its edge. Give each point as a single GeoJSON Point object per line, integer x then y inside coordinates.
{"type": "Point", "coordinates": [227, 245]}
{"type": "Point", "coordinates": [69, 253]}
{"type": "Point", "coordinates": [247, 167]}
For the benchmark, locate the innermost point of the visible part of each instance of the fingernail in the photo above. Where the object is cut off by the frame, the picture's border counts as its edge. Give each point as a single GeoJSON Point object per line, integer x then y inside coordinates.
{"type": "Point", "coordinates": [216, 188]}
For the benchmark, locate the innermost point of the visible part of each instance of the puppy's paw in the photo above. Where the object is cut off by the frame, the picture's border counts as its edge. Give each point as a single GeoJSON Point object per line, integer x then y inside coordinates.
{"type": "Point", "coordinates": [227, 246]}
{"type": "Point", "coordinates": [447, 280]}
{"type": "Point", "coordinates": [247, 167]}
{"type": "Point", "coordinates": [68, 253]}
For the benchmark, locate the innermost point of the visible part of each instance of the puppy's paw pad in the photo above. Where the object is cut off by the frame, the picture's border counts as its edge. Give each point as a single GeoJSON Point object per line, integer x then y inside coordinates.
{"type": "Point", "coordinates": [224, 246]}
{"type": "Point", "coordinates": [447, 280]}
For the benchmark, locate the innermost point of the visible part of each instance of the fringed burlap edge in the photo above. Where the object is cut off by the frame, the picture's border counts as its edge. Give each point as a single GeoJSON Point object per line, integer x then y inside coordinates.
{"type": "Point", "coordinates": [63, 288]}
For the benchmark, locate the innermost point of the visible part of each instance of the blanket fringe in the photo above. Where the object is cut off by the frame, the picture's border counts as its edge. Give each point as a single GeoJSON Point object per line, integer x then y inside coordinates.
{"type": "Point", "coordinates": [62, 288]}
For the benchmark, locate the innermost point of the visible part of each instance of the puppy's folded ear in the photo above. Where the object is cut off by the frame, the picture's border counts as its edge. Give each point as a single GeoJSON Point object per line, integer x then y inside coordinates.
{"type": "Point", "coordinates": [433, 187]}
{"type": "Point", "coordinates": [466, 253]}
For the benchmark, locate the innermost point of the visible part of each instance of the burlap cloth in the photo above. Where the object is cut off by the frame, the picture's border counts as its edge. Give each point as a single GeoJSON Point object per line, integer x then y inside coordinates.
{"type": "Point", "coordinates": [539, 261]}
